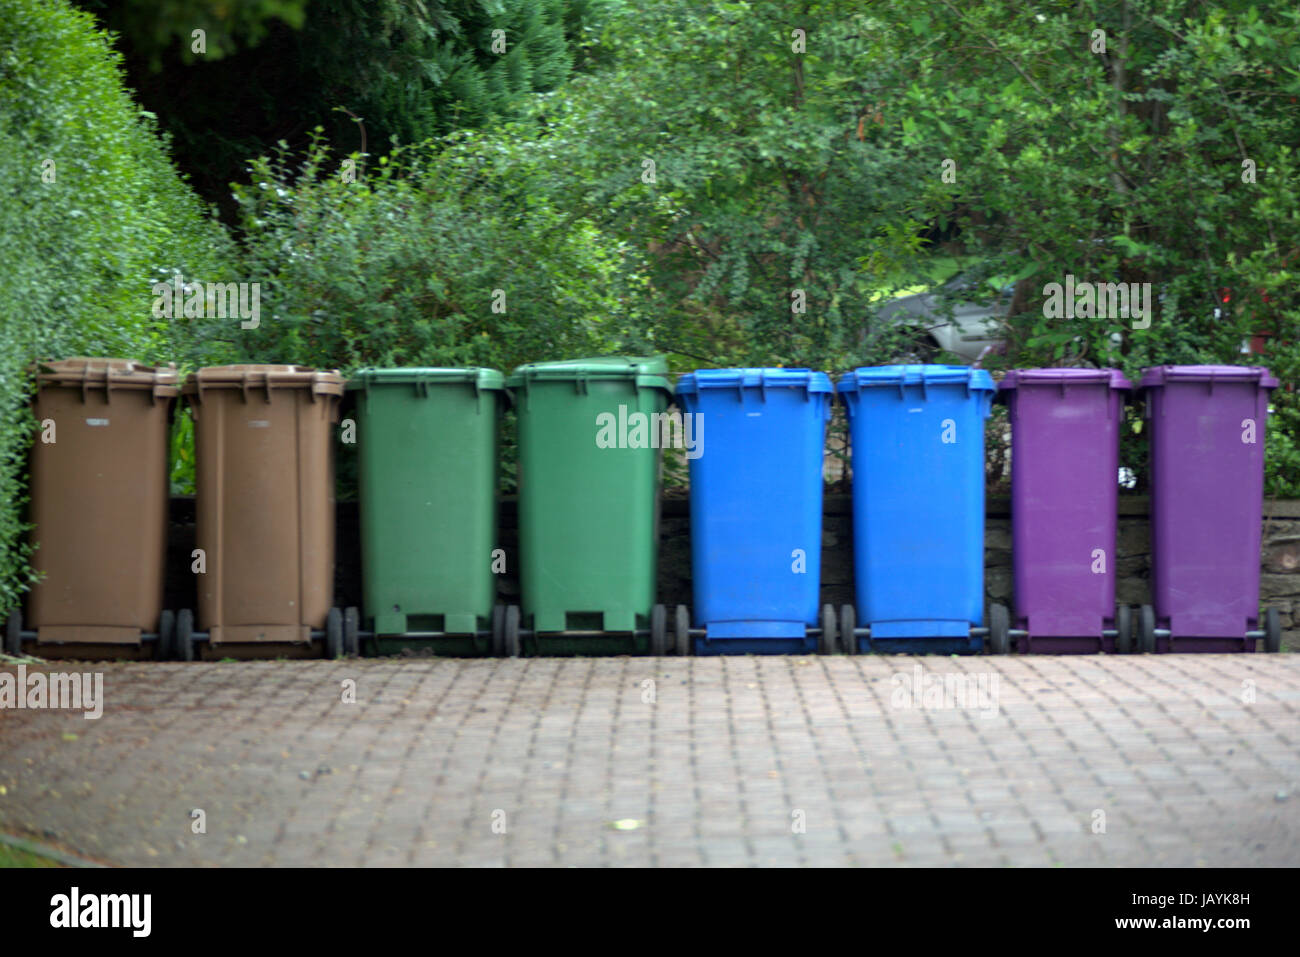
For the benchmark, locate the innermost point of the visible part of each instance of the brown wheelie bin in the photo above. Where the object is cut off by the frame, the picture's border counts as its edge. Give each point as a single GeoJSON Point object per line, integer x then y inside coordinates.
{"type": "Point", "coordinates": [99, 491]}
{"type": "Point", "coordinates": [264, 513]}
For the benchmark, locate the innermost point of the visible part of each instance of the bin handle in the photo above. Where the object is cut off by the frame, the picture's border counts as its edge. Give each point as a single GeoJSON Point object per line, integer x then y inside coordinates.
{"type": "Point", "coordinates": [156, 391]}
{"type": "Point", "coordinates": [319, 382]}
{"type": "Point", "coordinates": [108, 380]}
{"type": "Point", "coordinates": [85, 388]}
{"type": "Point", "coordinates": [580, 382]}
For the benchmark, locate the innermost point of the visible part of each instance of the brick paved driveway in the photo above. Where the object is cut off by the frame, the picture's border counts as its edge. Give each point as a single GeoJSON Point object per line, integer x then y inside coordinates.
{"type": "Point", "coordinates": [782, 761]}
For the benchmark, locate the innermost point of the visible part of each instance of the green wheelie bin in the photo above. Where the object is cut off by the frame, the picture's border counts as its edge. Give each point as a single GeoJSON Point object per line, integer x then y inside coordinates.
{"type": "Point", "coordinates": [590, 435]}
{"type": "Point", "coordinates": [427, 477]}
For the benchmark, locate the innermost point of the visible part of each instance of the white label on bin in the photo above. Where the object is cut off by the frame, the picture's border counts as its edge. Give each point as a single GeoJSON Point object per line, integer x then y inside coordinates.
{"type": "Point", "coordinates": [259, 424]}
{"type": "Point", "coordinates": [97, 421]}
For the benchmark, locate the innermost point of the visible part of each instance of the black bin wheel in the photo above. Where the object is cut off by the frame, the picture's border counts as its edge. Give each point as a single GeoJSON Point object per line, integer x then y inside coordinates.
{"type": "Point", "coordinates": [498, 630]}
{"type": "Point", "coordinates": [185, 635]}
{"type": "Point", "coordinates": [658, 631]}
{"type": "Point", "coordinates": [999, 629]}
{"type": "Point", "coordinates": [164, 649]}
{"type": "Point", "coordinates": [1147, 631]}
{"type": "Point", "coordinates": [848, 625]}
{"type": "Point", "coordinates": [828, 643]}
{"type": "Point", "coordinates": [682, 631]}
{"type": "Point", "coordinates": [510, 632]}
{"type": "Point", "coordinates": [14, 633]}
{"type": "Point", "coordinates": [1272, 631]}
{"type": "Point", "coordinates": [351, 632]}
{"type": "Point", "coordinates": [1123, 630]}
{"type": "Point", "coordinates": [334, 634]}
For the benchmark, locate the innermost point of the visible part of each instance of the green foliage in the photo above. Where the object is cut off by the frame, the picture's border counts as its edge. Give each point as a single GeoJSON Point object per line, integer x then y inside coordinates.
{"type": "Point", "coordinates": [733, 177]}
{"type": "Point", "coordinates": [372, 73]}
{"type": "Point", "coordinates": [167, 26]}
{"type": "Point", "coordinates": [765, 195]}
{"type": "Point", "coordinates": [702, 180]}
{"type": "Point", "coordinates": [776, 171]}
{"type": "Point", "coordinates": [1282, 446]}
{"type": "Point", "coordinates": [182, 455]}
{"type": "Point", "coordinates": [92, 214]}
{"type": "Point", "coordinates": [1128, 165]}
{"type": "Point", "coordinates": [1124, 165]}
{"type": "Point", "coordinates": [448, 254]}
{"type": "Point", "coordinates": [412, 70]}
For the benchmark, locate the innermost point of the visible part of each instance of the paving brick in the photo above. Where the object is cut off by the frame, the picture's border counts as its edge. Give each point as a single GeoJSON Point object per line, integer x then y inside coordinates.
{"type": "Point", "coordinates": [437, 754]}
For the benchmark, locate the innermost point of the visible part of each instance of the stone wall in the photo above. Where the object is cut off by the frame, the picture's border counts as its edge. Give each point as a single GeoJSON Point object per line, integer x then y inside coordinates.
{"type": "Point", "coordinates": [1280, 564]}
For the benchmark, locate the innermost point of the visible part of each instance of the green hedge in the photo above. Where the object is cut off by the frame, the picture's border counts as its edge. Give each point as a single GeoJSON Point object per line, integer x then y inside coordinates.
{"type": "Point", "coordinates": [93, 214]}
{"type": "Point", "coordinates": [449, 253]}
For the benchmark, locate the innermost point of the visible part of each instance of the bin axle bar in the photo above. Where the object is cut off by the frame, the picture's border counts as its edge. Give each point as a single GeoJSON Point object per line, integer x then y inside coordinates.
{"type": "Point", "coordinates": [583, 633]}
{"type": "Point", "coordinates": [398, 635]}
{"type": "Point", "coordinates": [864, 631]}
{"type": "Point", "coordinates": [207, 636]}
{"type": "Point", "coordinates": [27, 635]}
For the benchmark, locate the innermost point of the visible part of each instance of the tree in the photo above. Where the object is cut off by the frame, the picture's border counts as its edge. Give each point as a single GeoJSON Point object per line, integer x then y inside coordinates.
{"type": "Point", "coordinates": [372, 73]}
{"type": "Point", "coordinates": [756, 168]}
{"type": "Point", "coordinates": [159, 27]}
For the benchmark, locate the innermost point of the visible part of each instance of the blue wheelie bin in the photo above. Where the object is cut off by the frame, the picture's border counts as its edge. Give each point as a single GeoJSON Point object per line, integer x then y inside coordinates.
{"type": "Point", "coordinates": [756, 509]}
{"type": "Point", "coordinates": [917, 439]}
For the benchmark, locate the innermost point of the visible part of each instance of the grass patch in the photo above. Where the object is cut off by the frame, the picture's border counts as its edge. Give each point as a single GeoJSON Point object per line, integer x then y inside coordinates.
{"type": "Point", "coordinates": [15, 857]}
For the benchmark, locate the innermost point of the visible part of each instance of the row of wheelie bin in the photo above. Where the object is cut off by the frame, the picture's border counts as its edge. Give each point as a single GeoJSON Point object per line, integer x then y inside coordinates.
{"type": "Point", "coordinates": [917, 442]}
{"type": "Point", "coordinates": [100, 477]}
{"type": "Point", "coordinates": [590, 437]}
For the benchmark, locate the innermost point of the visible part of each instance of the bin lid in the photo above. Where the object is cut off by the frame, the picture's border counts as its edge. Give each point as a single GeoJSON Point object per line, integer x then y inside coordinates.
{"type": "Point", "coordinates": [102, 373]}
{"type": "Point", "coordinates": [773, 378]}
{"type": "Point", "coordinates": [1160, 375]}
{"type": "Point", "coordinates": [648, 371]}
{"type": "Point", "coordinates": [264, 377]}
{"type": "Point", "coordinates": [483, 378]}
{"type": "Point", "coordinates": [1110, 377]}
{"type": "Point", "coordinates": [904, 375]}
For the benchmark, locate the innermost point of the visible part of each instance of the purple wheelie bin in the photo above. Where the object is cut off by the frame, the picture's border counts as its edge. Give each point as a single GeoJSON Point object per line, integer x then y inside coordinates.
{"type": "Point", "coordinates": [1064, 500]}
{"type": "Point", "coordinates": [1206, 427]}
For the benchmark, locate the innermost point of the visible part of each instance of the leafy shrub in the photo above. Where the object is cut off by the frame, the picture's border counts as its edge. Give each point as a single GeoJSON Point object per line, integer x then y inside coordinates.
{"type": "Point", "coordinates": [445, 254]}
{"type": "Point", "coordinates": [1282, 448]}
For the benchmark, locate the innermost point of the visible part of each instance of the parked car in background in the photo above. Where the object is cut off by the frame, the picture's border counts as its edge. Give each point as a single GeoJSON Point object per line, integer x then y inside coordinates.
{"type": "Point", "coordinates": [963, 316]}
